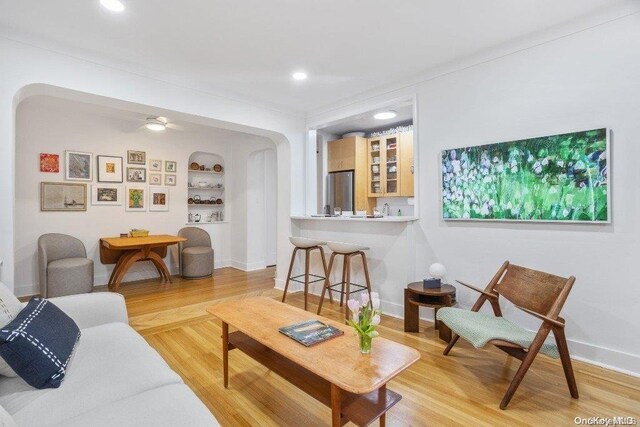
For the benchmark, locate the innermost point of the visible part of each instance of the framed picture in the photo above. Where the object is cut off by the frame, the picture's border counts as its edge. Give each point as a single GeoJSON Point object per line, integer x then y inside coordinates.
{"type": "Point", "coordinates": [155, 165]}
{"type": "Point", "coordinates": [63, 196]}
{"type": "Point", "coordinates": [155, 179]}
{"type": "Point", "coordinates": [109, 169]}
{"type": "Point", "coordinates": [106, 195]}
{"type": "Point", "coordinates": [557, 178]}
{"type": "Point", "coordinates": [169, 179]}
{"type": "Point", "coordinates": [78, 166]}
{"type": "Point", "coordinates": [170, 166]}
{"type": "Point", "coordinates": [136, 157]}
{"type": "Point", "coordinates": [136, 175]}
{"type": "Point", "coordinates": [136, 199]}
{"type": "Point", "coordinates": [159, 199]}
{"type": "Point", "coordinates": [49, 163]}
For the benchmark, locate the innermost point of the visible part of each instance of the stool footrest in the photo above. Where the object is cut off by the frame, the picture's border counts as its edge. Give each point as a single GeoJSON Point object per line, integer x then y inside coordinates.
{"type": "Point", "coordinates": [318, 278]}
{"type": "Point", "coordinates": [340, 291]}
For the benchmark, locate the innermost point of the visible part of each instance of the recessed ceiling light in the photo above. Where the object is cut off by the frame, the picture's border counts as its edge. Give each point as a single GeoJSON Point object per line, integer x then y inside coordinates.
{"type": "Point", "coordinates": [385, 115]}
{"type": "Point", "coordinates": [155, 124]}
{"type": "Point", "coordinates": [299, 75]}
{"type": "Point", "coordinates": [112, 5]}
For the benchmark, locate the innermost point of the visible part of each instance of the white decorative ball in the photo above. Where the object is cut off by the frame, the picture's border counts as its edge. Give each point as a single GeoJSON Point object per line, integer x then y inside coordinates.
{"type": "Point", "coordinates": [437, 270]}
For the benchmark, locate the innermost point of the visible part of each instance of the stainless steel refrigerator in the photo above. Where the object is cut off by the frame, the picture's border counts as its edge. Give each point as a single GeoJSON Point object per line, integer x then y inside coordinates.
{"type": "Point", "coordinates": [340, 192]}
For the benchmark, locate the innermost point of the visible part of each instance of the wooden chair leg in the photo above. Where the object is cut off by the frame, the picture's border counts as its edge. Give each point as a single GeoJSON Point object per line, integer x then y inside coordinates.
{"type": "Point", "coordinates": [327, 281]}
{"type": "Point", "coordinates": [532, 352]}
{"type": "Point", "coordinates": [326, 272]}
{"type": "Point", "coordinates": [306, 276]}
{"type": "Point", "coordinates": [347, 283]}
{"type": "Point", "coordinates": [561, 342]}
{"type": "Point", "coordinates": [286, 286]}
{"type": "Point", "coordinates": [454, 340]}
{"type": "Point", "coordinates": [365, 266]}
{"type": "Point", "coordinates": [344, 278]}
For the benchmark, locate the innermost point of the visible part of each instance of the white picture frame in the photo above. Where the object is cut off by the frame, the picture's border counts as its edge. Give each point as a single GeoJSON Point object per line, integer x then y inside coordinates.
{"type": "Point", "coordinates": [159, 199]}
{"type": "Point", "coordinates": [136, 198]}
{"type": "Point", "coordinates": [110, 168]}
{"type": "Point", "coordinates": [170, 166]}
{"type": "Point", "coordinates": [155, 165]}
{"type": "Point", "coordinates": [136, 174]}
{"type": "Point", "coordinates": [170, 179]}
{"type": "Point", "coordinates": [106, 195]}
{"type": "Point", "coordinates": [78, 166]}
{"type": "Point", "coordinates": [155, 179]}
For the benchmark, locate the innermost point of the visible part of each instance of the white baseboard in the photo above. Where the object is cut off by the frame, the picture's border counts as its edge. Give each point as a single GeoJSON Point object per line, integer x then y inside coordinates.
{"type": "Point", "coordinates": [248, 266]}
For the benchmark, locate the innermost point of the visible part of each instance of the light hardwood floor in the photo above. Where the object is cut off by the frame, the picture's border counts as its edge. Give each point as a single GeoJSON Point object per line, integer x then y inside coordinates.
{"type": "Point", "coordinates": [463, 388]}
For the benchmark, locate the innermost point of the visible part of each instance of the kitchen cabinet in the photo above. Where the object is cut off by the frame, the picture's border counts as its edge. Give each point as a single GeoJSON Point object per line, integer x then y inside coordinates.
{"type": "Point", "coordinates": [341, 154]}
{"type": "Point", "coordinates": [406, 166]}
{"type": "Point", "coordinates": [384, 170]}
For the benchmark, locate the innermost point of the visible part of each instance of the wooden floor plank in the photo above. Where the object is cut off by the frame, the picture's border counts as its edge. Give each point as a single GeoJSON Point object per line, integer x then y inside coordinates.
{"type": "Point", "coordinates": [464, 388]}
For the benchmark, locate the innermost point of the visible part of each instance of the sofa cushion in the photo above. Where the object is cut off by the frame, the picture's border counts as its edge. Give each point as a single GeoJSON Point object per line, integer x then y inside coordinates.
{"type": "Point", "coordinates": [39, 342]}
{"type": "Point", "coordinates": [10, 306]}
{"type": "Point", "coordinates": [6, 420]}
{"type": "Point", "coordinates": [168, 406]}
{"type": "Point", "coordinates": [112, 362]}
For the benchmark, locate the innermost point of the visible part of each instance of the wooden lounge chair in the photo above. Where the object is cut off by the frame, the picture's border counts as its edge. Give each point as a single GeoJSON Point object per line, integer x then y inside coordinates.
{"type": "Point", "coordinates": [537, 293]}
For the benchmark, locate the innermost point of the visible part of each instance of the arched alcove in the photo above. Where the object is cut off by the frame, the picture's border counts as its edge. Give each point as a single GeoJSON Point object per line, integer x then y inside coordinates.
{"type": "Point", "coordinates": [206, 189]}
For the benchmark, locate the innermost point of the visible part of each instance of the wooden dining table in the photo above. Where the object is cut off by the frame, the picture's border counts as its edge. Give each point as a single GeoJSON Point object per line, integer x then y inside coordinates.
{"type": "Point", "coordinates": [124, 252]}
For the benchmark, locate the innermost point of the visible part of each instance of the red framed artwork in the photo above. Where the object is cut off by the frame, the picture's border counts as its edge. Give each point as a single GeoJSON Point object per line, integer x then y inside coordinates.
{"type": "Point", "coordinates": [49, 163]}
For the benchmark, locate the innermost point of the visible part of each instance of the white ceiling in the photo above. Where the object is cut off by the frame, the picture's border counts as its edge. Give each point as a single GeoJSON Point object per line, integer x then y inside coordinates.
{"type": "Point", "coordinates": [250, 47]}
{"type": "Point", "coordinates": [366, 123]}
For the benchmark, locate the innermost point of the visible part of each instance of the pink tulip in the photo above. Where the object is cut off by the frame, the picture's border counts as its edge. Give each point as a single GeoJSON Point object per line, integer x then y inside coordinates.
{"type": "Point", "coordinates": [375, 302]}
{"type": "Point", "coordinates": [353, 305]}
{"type": "Point", "coordinates": [376, 320]}
{"type": "Point", "coordinates": [365, 298]}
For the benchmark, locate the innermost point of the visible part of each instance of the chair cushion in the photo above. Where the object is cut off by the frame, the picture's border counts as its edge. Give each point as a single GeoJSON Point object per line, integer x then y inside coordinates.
{"type": "Point", "coordinates": [39, 342]}
{"type": "Point", "coordinates": [69, 276]}
{"type": "Point", "coordinates": [303, 243]}
{"type": "Point", "coordinates": [167, 406]}
{"type": "Point", "coordinates": [68, 263]}
{"type": "Point", "coordinates": [112, 362]}
{"type": "Point", "coordinates": [345, 248]}
{"type": "Point", "coordinates": [480, 328]}
{"type": "Point", "coordinates": [10, 306]}
{"type": "Point", "coordinates": [197, 250]}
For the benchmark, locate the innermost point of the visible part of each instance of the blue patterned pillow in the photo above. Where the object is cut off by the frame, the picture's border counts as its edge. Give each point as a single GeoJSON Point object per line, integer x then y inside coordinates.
{"type": "Point", "coordinates": [39, 342]}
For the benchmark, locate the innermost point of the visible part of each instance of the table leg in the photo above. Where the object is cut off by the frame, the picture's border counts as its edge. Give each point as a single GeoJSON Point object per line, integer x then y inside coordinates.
{"type": "Point", "coordinates": [130, 259]}
{"type": "Point", "coordinates": [435, 317]}
{"type": "Point", "coordinates": [411, 313]}
{"type": "Point", "coordinates": [382, 393]}
{"type": "Point", "coordinates": [165, 274]}
{"type": "Point", "coordinates": [335, 406]}
{"type": "Point", "coordinates": [225, 353]}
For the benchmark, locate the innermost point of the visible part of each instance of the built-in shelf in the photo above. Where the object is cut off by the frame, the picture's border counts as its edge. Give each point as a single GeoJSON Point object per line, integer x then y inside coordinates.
{"type": "Point", "coordinates": [206, 188]}
{"type": "Point", "coordinates": [205, 205]}
{"type": "Point", "coordinates": [214, 188]}
{"type": "Point", "coordinates": [206, 172]}
{"type": "Point", "coordinates": [206, 222]}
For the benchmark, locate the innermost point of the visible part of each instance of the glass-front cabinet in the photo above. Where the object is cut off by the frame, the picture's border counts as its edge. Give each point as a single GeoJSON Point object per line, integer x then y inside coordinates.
{"type": "Point", "coordinates": [384, 158]}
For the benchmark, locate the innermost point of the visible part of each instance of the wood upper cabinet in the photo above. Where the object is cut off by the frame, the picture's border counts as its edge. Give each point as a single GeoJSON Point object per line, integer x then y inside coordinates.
{"type": "Point", "coordinates": [341, 154]}
{"type": "Point", "coordinates": [406, 166]}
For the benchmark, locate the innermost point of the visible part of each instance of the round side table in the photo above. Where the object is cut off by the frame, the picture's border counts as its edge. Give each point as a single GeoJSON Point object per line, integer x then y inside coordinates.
{"type": "Point", "coordinates": [416, 296]}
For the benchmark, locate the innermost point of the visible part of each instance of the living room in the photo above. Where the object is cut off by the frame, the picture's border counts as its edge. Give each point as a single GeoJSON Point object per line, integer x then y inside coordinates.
{"type": "Point", "coordinates": [242, 109]}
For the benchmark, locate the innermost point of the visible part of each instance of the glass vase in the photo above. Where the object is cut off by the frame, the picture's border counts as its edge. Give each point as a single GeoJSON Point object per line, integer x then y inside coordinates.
{"type": "Point", "coordinates": [365, 343]}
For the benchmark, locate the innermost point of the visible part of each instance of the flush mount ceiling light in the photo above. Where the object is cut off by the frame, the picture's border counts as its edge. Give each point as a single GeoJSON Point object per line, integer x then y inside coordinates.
{"type": "Point", "coordinates": [155, 124]}
{"type": "Point", "coordinates": [112, 5]}
{"type": "Point", "coordinates": [385, 115]}
{"type": "Point", "coordinates": [299, 75]}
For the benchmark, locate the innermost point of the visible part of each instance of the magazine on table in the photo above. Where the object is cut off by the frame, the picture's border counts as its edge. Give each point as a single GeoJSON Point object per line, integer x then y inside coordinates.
{"type": "Point", "coordinates": [311, 332]}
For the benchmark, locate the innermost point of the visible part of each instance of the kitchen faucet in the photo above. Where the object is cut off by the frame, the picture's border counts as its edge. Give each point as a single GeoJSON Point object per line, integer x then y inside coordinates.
{"type": "Point", "coordinates": [386, 209]}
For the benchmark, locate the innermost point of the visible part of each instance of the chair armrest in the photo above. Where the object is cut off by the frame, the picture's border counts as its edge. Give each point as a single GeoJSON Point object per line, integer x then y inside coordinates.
{"type": "Point", "coordinates": [542, 317]}
{"type": "Point", "coordinates": [488, 294]}
{"type": "Point", "coordinates": [93, 309]}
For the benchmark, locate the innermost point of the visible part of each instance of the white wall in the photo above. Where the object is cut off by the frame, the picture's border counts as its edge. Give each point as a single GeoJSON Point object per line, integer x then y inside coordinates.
{"type": "Point", "coordinates": [586, 80]}
{"type": "Point", "coordinates": [27, 70]}
{"type": "Point", "coordinates": [53, 125]}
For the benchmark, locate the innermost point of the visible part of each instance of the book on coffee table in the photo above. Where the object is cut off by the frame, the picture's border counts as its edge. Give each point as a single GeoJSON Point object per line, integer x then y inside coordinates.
{"type": "Point", "coordinates": [310, 332]}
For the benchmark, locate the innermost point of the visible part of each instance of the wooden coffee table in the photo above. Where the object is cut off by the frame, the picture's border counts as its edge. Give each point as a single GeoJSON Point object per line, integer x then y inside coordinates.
{"type": "Point", "coordinates": [334, 372]}
{"type": "Point", "coordinates": [126, 251]}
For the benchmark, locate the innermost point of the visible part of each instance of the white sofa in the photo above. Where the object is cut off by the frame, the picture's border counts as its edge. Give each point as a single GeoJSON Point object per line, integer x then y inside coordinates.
{"type": "Point", "coordinates": [114, 378]}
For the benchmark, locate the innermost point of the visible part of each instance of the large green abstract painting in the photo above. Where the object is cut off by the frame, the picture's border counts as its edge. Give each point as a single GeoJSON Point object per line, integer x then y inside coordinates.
{"type": "Point", "coordinates": [552, 178]}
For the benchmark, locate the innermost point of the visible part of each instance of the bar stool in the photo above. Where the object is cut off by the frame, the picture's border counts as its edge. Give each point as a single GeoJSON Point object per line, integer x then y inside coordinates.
{"type": "Point", "coordinates": [307, 245]}
{"type": "Point", "coordinates": [348, 251]}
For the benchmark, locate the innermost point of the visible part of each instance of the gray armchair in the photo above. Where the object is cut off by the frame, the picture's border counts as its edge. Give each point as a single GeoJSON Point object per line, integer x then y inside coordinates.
{"type": "Point", "coordinates": [196, 254]}
{"type": "Point", "coordinates": [64, 266]}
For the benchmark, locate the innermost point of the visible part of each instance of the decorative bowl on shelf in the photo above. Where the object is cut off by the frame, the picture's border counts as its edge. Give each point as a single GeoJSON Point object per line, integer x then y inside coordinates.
{"type": "Point", "coordinates": [217, 168]}
{"type": "Point", "coordinates": [194, 166]}
{"type": "Point", "coordinates": [219, 201]}
{"type": "Point", "coordinates": [203, 184]}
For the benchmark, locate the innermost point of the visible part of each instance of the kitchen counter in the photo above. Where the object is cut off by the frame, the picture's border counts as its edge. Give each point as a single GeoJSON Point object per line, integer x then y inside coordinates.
{"type": "Point", "coordinates": [349, 219]}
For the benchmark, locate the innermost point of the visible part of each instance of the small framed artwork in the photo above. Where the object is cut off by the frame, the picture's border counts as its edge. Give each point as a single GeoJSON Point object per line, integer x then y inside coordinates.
{"type": "Point", "coordinates": [136, 157]}
{"type": "Point", "coordinates": [49, 163]}
{"type": "Point", "coordinates": [136, 199]}
{"type": "Point", "coordinates": [170, 166]}
{"type": "Point", "coordinates": [155, 165]}
{"type": "Point", "coordinates": [169, 179]}
{"type": "Point", "coordinates": [159, 199]}
{"type": "Point", "coordinates": [136, 175]}
{"type": "Point", "coordinates": [62, 196]}
{"type": "Point", "coordinates": [78, 166]}
{"type": "Point", "coordinates": [155, 179]}
{"type": "Point", "coordinates": [106, 195]}
{"type": "Point", "coordinates": [109, 169]}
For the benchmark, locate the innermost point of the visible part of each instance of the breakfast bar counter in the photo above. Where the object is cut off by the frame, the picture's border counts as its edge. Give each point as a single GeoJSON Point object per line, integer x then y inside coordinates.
{"type": "Point", "coordinates": [354, 219]}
